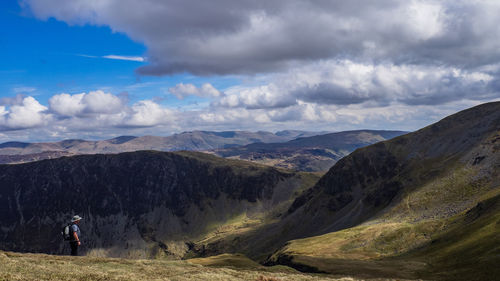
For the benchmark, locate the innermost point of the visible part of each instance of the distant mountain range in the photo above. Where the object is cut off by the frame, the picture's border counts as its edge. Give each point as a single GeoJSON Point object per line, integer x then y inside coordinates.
{"type": "Point", "coordinates": [312, 154]}
{"type": "Point", "coordinates": [19, 152]}
{"type": "Point", "coordinates": [297, 150]}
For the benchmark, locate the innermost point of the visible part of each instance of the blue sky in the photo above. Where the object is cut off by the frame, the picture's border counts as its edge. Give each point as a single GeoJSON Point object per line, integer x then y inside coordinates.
{"type": "Point", "coordinates": [45, 57]}
{"type": "Point", "coordinates": [100, 69]}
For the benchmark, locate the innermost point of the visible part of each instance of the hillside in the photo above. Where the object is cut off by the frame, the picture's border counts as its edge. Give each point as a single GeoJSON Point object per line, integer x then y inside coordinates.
{"type": "Point", "coordinates": [311, 154]}
{"type": "Point", "coordinates": [137, 204]}
{"type": "Point", "coordinates": [423, 205]}
{"type": "Point", "coordinates": [19, 152]}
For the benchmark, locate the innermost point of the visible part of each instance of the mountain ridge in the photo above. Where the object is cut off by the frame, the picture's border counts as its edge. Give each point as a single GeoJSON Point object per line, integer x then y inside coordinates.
{"type": "Point", "coordinates": [291, 149]}
{"type": "Point", "coordinates": [194, 141]}
{"type": "Point", "coordinates": [310, 154]}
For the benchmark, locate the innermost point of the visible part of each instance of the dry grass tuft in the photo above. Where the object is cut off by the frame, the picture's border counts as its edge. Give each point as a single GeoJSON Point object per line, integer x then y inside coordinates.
{"type": "Point", "coordinates": [267, 278]}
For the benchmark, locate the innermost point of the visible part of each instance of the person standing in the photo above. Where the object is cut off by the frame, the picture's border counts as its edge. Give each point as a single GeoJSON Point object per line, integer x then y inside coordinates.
{"type": "Point", "coordinates": [75, 235]}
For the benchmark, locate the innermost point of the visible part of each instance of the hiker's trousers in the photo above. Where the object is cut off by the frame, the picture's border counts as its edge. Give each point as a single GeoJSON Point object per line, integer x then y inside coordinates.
{"type": "Point", "coordinates": [74, 248]}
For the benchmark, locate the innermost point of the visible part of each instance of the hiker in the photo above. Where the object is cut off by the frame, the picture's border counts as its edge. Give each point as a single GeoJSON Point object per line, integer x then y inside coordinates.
{"type": "Point", "coordinates": [75, 235]}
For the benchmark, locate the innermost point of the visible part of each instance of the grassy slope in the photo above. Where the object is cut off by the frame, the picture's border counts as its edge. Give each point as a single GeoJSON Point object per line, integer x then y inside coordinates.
{"type": "Point", "coordinates": [21, 267]}
{"type": "Point", "coordinates": [470, 248]}
{"type": "Point", "coordinates": [463, 247]}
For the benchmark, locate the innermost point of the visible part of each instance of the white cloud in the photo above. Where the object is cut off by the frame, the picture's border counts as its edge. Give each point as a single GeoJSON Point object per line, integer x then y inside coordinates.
{"type": "Point", "coordinates": [67, 105]}
{"type": "Point", "coordinates": [345, 82]}
{"type": "Point", "coordinates": [127, 58]}
{"type": "Point", "coordinates": [206, 90]}
{"type": "Point", "coordinates": [95, 102]}
{"type": "Point", "coordinates": [149, 117]}
{"type": "Point", "coordinates": [265, 96]}
{"type": "Point", "coordinates": [116, 57]}
{"type": "Point", "coordinates": [147, 113]}
{"type": "Point", "coordinates": [30, 113]}
{"type": "Point", "coordinates": [100, 102]}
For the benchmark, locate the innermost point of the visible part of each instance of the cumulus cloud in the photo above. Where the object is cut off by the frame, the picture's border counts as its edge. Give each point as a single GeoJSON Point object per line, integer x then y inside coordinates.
{"type": "Point", "coordinates": [95, 102]}
{"type": "Point", "coordinates": [32, 121]}
{"type": "Point", "coordinates": [86, 112]}
{"type": "Point", "coordinates": [148, 113]}
{"type": "Point", "coordinates": [67, 105]}
{"type": "Point", "coordinates": [227, 37]}
{"type": "Point", "coordinates": [345, 82]}
{"type": "Point", "coordinates": [28, 114]}
{"type": "Point", "coordinates": [206, 90]}
{"type": "Point", "coordinates": [266, 96]}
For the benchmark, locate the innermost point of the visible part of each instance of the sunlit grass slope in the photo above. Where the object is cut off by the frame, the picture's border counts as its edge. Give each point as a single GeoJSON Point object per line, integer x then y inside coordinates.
{"type": "Point", "coordinates": [17, 267]}
{"type": "Point", "coordinates": [463, 247]}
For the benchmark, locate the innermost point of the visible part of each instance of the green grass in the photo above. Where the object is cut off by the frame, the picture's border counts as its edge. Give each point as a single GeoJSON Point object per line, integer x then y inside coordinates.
{"type": "Point", "coordinates": [441, 197]}
{"type": "Point", "coordinates": [367, 269]}
{"type": "Point", "coordinates": [366, 242]}
{"type": "Point", "coordinates": [463, 247]}
{"type": "Point", "coordinates": [470, 248]}
{"type": "Point", "coordinates": [236, 225]}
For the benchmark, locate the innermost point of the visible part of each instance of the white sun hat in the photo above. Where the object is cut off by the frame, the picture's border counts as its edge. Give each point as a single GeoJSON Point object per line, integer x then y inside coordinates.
{"type": "Point", "coordinates": [76, 218]}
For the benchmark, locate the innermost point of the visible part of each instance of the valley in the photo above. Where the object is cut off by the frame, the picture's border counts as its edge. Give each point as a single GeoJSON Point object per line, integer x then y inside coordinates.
{"type": "Point", "coordinates": [311, 154]}
{"type": "Point", "coordinates": [419, 206]}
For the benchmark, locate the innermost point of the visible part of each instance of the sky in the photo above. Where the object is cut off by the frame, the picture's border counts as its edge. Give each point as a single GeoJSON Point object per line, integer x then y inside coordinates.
{"type": "Point", "coordinates": [97, 69]}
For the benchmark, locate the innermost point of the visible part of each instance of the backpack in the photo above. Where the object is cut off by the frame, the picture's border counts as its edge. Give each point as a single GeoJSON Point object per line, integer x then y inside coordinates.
{"type": "Point", "coordinates": [67, 232]}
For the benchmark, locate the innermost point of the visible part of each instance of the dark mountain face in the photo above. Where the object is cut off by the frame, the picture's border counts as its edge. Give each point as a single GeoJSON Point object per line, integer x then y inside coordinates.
{"type": "Point", "coordinates": [294, 134]}
{"type": "Point", "coordinates": [129, 200]}
{"type": "Point", "coordinates": [311, 154]}
{"type": "Point", "coordinates": [121, 139]}
{"type": "Point", "coordinates": [14, 144]}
